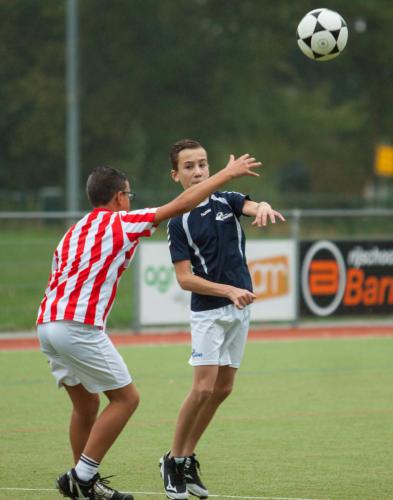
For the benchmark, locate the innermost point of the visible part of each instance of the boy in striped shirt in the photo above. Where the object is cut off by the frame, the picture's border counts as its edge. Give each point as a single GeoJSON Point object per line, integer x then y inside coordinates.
{"type": "Point", "coordinates": [87, 265]}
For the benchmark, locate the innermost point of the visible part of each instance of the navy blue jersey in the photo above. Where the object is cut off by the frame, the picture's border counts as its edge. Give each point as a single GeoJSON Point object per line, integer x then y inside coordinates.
{"type": "Point", "coordinates": [211, 237]}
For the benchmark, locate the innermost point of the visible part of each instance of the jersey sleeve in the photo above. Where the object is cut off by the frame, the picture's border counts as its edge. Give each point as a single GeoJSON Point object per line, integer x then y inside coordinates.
{"type": "Point", "coordinates": [177, 241]}
{"type": "Point", "coordinates": [236, 201]}
{"type": "Point", "coordinates": [138, 223]}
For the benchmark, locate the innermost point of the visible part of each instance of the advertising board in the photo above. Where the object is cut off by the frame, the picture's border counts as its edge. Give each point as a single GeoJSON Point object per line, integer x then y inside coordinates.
{"type": "Point", "coordinates": [346, 278]}
{"type": "Point", "coordinates": [272, 267]}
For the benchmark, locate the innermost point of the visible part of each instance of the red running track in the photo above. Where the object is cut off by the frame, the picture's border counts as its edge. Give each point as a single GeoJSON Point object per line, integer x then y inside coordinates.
{"type": "Point", "coordinates": [299, 333]}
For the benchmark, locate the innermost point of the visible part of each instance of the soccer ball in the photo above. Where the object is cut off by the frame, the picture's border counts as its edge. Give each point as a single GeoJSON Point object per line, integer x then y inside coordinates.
{"type": "Point", "coordinates": [322, 34]}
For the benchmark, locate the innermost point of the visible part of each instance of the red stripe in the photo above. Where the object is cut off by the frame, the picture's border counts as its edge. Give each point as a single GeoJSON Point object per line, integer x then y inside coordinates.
{"type": "Point", "coordinates": [56, 275]}
{"type": "Point", "coordinates": [135, 236]}
{"type": "Point", "coordinates": [60, 272]}
{"type": "Point", "coordinates": [120, 271]}
{"type": "Point", "coordinates": [42, 309]}
{"type": "Point", "coordinates": [118, 241]}
{"type": "Point", "coordinates": [134, 218]}
{"type": "Point", "coordinates": [45, 299]}
{"type": "Point", "coordinates": [94, 257]}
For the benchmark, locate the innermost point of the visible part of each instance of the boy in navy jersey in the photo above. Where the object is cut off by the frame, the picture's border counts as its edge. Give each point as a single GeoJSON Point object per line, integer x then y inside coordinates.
{"type": "Point", "coordinates": [207, 248]}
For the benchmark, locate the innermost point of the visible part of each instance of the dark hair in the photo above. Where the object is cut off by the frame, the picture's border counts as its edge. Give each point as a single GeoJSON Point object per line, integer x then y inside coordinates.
{"type": "Point", "coordinates": [178, 147]}
{"type": "Point", "coordinates": [103, 183]}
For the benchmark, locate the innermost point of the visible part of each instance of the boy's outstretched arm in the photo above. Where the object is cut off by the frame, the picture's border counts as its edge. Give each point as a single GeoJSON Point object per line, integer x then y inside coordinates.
{"type": "Point", "coordinates": [189, 199]}
{"type": "Point", "coordinates": [262, 212]}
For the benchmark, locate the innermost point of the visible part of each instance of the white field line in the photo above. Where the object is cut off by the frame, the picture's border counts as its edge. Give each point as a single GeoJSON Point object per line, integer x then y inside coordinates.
{"type": "Point", "coordinates": [162, 494]}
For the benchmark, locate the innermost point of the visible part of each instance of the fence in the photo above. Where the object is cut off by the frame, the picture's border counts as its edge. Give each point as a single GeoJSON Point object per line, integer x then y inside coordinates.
{"type": "Point", "coordinates": [348, 274]}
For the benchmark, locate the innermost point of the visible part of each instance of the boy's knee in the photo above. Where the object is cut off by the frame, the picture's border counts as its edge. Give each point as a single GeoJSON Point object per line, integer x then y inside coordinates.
{"type": "Point", "coordinates": [131, 399]}
{"type": "Point", "coordinates": [90, 407]}
{"type": "Point", "coordinates": [202, 394]}
{"type": "Point", "coordinates": [135, 400]}
{"type": "Point", "coordinates": [222, 392]}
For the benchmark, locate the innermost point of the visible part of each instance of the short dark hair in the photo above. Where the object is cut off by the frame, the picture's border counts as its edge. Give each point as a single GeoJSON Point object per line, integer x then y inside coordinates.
{"type": "Point", "coordinates": [179, 146]}
{"type": "Point", "coordinates": [103, 183]}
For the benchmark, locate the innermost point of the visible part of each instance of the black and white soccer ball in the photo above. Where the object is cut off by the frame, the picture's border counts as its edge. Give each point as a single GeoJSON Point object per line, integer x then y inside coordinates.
{"type": "Point", "coordinates": [322, 34]}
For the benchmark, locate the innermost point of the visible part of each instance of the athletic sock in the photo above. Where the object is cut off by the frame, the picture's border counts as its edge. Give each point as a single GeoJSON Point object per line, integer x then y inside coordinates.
{"type": "Point", "coordinates": [179, 460]}
{"type": "Point", "coordinates": [86, 468]}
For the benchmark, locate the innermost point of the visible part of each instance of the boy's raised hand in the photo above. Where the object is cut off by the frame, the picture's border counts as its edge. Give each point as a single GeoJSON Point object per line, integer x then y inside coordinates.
{"type": "Point", "coordinates": [243, 165]}
{"type": "Point", "coordinates": [265, 213]}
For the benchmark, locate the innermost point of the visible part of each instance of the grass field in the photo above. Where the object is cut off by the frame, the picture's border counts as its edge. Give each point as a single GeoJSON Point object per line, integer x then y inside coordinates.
{"type": "Point", "coordinates": [308, 420]}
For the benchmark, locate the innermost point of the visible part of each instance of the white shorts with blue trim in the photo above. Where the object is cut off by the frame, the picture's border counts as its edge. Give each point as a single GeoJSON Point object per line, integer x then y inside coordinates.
{"type": "Point", "coordinates": [82, 354]}
{"type": "Point", "coordinates": [218, 336]}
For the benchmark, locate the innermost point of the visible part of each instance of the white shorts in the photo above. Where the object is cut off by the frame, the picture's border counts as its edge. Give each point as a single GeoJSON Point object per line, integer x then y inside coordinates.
{"type": "Point", "coordinates": [82, 354]}
{"type": "Point", "coordinates": [218, 336]}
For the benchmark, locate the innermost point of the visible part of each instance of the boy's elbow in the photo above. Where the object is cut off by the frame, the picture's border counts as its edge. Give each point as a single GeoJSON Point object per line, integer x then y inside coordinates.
{"type": "Point", "coordinates": [183, 283]}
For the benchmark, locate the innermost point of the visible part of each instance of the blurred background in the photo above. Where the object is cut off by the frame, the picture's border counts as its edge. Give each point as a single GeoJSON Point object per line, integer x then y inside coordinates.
{"type": "Point", "coordinates": [226, 72]}
{"type": "Point", "coordinates": [92, 82]}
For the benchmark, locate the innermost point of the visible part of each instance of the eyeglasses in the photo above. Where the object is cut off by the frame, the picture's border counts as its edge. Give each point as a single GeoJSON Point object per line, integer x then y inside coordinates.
{"type": "Point", "coordinates": [131, 196]}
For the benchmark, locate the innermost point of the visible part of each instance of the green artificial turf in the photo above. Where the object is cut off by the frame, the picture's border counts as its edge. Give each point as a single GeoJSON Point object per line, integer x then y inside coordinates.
{"type": "Point", "coordinates": [307, 420]}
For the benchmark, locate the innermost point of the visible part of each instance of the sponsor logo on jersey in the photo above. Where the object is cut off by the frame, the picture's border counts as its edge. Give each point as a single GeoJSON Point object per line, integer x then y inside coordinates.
{"type": "Point", "coordinates": [220, 216]}
{"type": "Point", "coordinates": [206, 212]}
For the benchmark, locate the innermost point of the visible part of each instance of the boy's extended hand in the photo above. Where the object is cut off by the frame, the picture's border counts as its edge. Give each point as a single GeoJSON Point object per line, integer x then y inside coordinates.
{"type": "Point", "coordinates": [265, 211]}
{"type": "Point", "coordinates": [238, 167]}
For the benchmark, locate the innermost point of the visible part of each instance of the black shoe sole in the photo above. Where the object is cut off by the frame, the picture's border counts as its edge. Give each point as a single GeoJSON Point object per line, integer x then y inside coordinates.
{"type": "Point", "coordinates": [197, 496]}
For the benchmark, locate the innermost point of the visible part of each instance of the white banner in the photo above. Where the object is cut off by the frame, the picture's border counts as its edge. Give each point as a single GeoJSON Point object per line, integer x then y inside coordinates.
{"type": "Point", "coordinates": [272, 267]}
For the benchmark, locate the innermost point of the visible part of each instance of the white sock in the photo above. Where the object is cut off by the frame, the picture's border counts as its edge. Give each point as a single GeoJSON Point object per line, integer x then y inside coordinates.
{"type": "Point", "coordinates": [86, 468]}
{"type": "Point", "coordinates": [179, 460]}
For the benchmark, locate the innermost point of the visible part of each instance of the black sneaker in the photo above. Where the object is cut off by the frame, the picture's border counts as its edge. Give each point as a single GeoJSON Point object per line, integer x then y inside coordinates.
{"type": "Point", "coordinates": [104, 492]}
{"type": "Point", "coordinates": [172, 474]}
{"type": "Point", "coordinates": [69, 485]}
{"type": "Point", "coordinates": [97, 488]}
{"type": "Point", "coordinates": [193, 481]}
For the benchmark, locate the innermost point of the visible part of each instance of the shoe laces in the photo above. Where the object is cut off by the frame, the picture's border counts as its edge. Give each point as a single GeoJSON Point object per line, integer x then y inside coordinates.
{"type": "Point", "coordinates": [192, 464]}
{"type": "Point", "coordinates": [101, 488]}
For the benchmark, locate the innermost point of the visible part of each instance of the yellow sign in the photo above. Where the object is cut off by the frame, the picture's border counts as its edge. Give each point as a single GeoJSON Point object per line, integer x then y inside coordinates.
{"type": "Point", "coordinates": [384, 160]}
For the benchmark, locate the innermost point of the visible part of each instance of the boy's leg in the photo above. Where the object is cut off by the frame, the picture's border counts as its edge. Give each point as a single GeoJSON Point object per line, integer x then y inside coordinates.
{"type": "Point", "coordinates": [104, 430]}
{"type": "Point", "coordinates": [94, 436]}
{"type": "Point", "coordinates": [172, 469]}
{"type": "Point", "coordinates": [231, 354]}
{"type": "Point", "coordinates": [222, 389]}
{"type": "Point", "coordinates": [107, 427]}
{"type": "Point", "coordinates": [202, 389]}
{"type": "Point", "coordinates": [211, 386]}
{"type": "Point", "coordinates": [84, 414]}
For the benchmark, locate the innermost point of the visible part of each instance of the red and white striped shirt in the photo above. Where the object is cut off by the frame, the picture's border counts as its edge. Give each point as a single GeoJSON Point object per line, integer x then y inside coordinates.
{"type": "Point", "coordinates": [89, 262]}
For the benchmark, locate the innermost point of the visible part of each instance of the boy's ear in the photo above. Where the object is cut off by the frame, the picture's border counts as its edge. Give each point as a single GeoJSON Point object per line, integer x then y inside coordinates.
{"type": "Point", "coordinates": [117, 198]}
{"type": "Point", "coordinates": [175, 175]}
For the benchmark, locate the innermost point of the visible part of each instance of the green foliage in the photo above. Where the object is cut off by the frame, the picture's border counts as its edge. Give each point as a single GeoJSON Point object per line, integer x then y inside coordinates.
{"type": "Point", "coordinates": [307, 419]}
{"type": "Point", "coordinates": [227, 73]}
